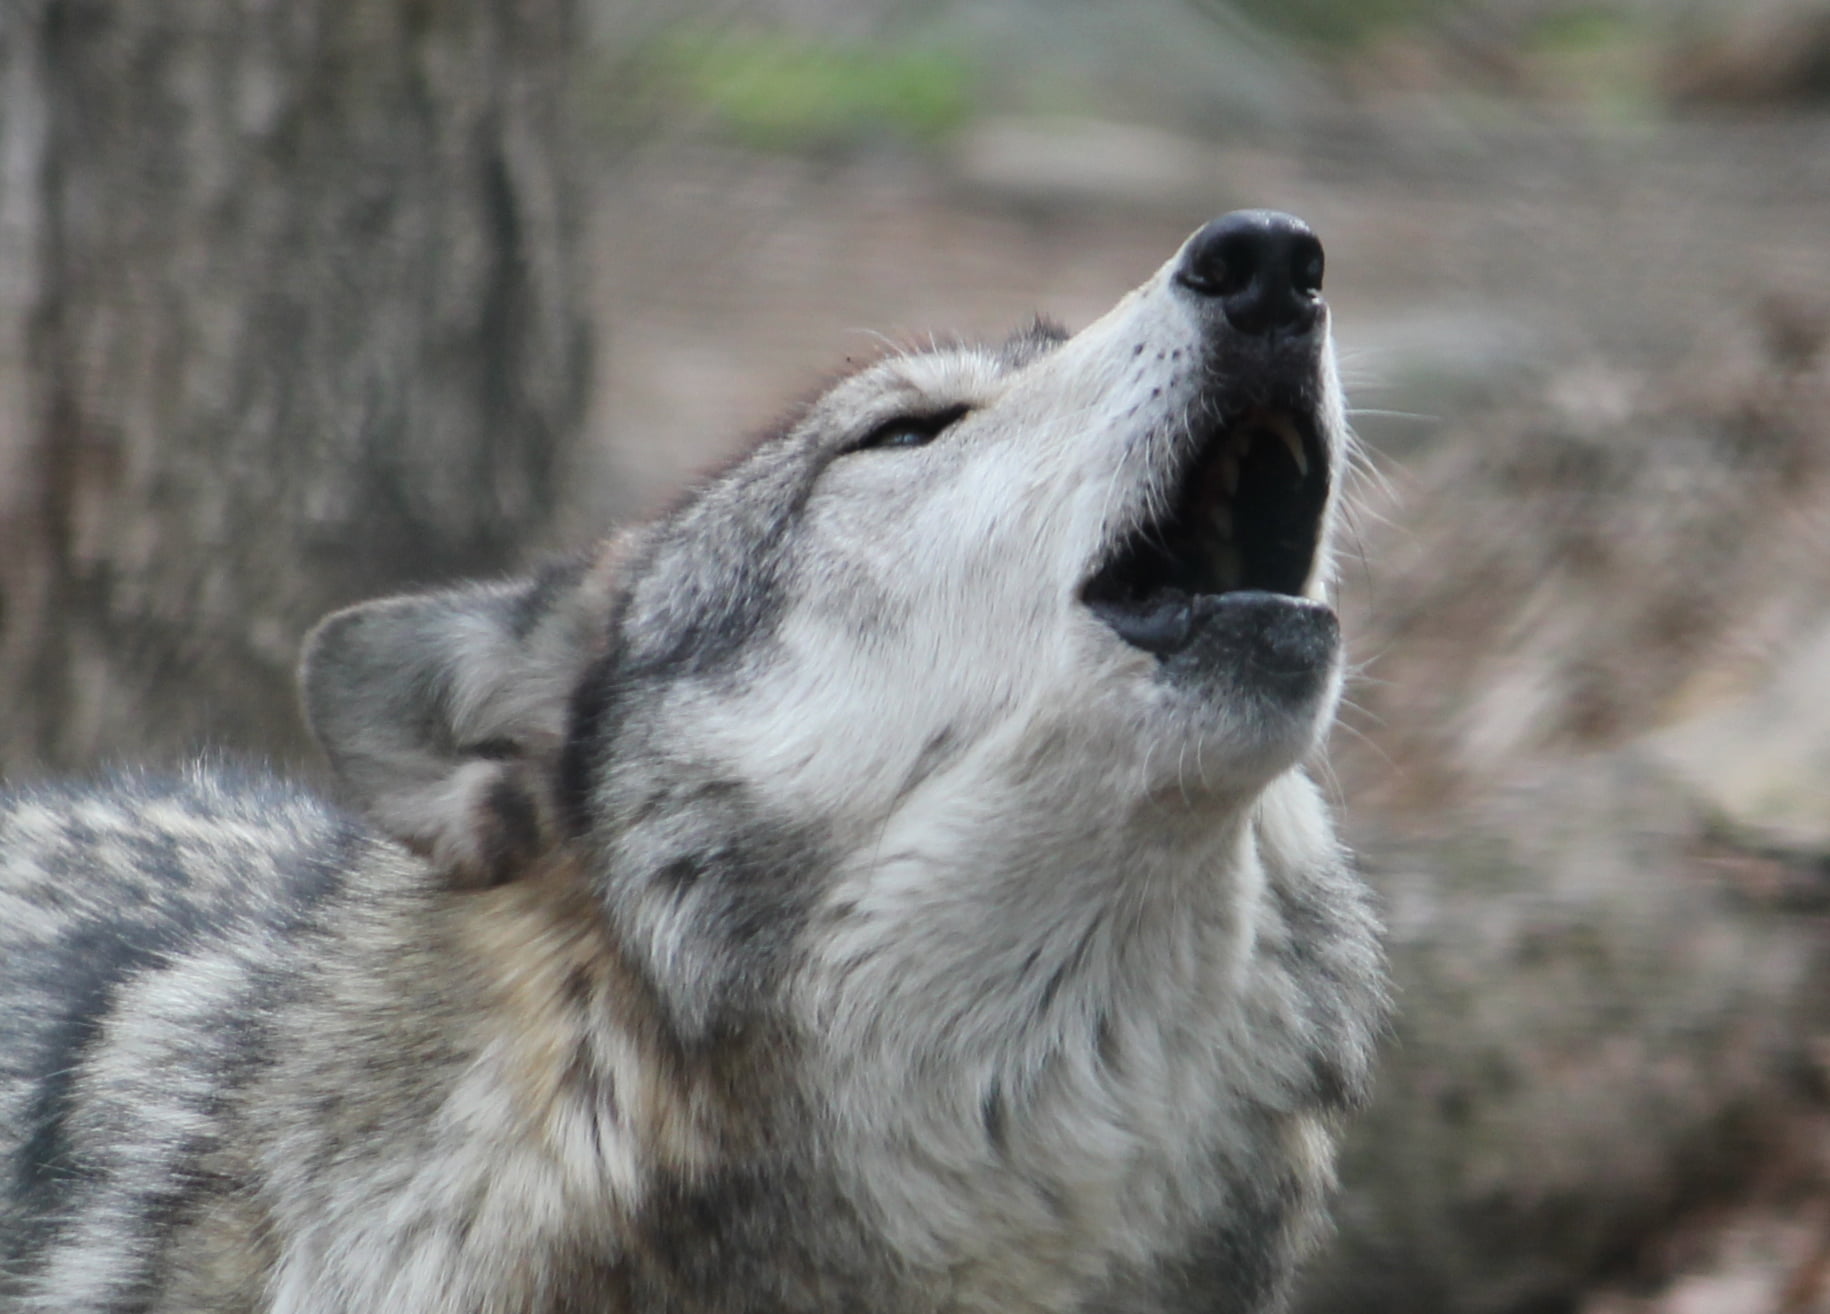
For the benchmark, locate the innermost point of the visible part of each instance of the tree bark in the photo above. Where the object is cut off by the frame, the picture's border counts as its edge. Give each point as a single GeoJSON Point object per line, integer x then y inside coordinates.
{"type": "Point", "coordinates": [288, 316]}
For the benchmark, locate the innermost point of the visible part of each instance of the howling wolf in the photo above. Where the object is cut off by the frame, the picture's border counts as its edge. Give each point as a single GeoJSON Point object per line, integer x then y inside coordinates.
{"type": "Point", "coordinates": [889, 882]}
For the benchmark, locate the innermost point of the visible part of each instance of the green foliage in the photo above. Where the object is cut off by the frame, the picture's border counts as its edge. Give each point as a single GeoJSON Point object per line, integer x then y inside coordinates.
{"type": "Point", "coordinates": [780, 90]}
{"type": "Point", "coordinates": [1579, 29]}
{"type": "Point", "coordinates": [1599, 58]}
{"type": "Point", "coordinates": [1339, 23]}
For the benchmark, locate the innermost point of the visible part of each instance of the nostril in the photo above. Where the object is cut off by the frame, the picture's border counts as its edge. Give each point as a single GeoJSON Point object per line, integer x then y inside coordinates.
{"type": "Point", "coordinates": [1307, 267]}
{"type": "Point", "coordinates": [1264, 268]}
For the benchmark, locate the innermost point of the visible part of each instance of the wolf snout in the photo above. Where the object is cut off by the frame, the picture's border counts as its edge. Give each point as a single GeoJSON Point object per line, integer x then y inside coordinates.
{"type": "Point", "coordinates": [1264, 268]}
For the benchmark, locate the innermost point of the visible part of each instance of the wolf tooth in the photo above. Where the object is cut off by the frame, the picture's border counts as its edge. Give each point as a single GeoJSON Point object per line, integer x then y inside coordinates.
{"type": "Point", "coordinates": [888, 882]}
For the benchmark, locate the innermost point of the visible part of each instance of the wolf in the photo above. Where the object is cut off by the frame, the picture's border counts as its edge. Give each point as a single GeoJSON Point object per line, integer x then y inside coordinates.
{"type": "Point", "coordinates": [890, 881]}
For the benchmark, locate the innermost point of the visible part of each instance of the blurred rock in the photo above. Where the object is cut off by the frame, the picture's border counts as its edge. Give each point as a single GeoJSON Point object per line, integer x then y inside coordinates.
{"type": "Point", "coordinates": [1762, 765]}
{"type": "Point", "coordinates": [1600, 1030]}
{"type": "Point", "coordinates": [1763, 1259]}
{"type": "Point", "coordinates": [1758, 54]}
{"type": "Point", "coordinates": [1593, 768]}
{"type": "Point", "coordinates": [1616, 551]}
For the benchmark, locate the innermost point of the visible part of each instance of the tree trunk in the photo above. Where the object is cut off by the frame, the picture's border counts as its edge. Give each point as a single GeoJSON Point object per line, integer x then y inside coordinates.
{"type": "Point", "coordinates": [288, 316]}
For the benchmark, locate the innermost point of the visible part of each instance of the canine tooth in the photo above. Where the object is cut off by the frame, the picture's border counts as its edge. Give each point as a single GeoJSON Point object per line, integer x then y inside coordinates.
{"type": "Point", "coordinates": [1281, 426]}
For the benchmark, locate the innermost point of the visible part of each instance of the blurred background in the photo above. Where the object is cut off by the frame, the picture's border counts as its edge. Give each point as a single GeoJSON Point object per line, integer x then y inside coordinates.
{"type": "Point", "coordinates": [302, 303]}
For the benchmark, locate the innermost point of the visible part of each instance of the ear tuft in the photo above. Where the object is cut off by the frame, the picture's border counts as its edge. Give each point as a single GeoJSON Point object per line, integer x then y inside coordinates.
{"type": "Point", "coordinates": [444, 714]}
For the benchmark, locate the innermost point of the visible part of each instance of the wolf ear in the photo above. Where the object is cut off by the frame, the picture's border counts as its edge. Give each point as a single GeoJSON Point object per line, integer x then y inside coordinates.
{"type": "Point", "coordinates": [444, 713]}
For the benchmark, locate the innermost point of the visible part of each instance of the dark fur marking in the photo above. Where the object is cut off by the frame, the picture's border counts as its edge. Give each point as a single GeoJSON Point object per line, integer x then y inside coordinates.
{"type": "Point", "coordinates": [1060, 1207]}
{"type": "Point", "coordinates": [995, 1117]}
{"type": "Point", "coordinates": [511, 831]}
{"type": "Point", "coordinates": [594, 1086]}
{"type": "Point", "coordinates": [466, 1222]}
{"type": "Point", "coordinates": [1105, 1043]}
{"type": "Point", "coordinates": [1068, 967]}
{"type": "Point", "coordinates": [723, 589]}
{"type": "Point", "coordinates": [751, 899]}
{"type": "Point", "coordinates": [939, 750]}
{"type": "Point", "coordinates": [670, 799]}
{"type": "Point", "coordinates": [711, 1244]}
{"type": "Point", "coordinates": [531, 605]}
{"type": "Point", "coordinates": [160, 854]}
{"type": "Point", "coordinates": [588, 719]}
{"type": "Point", "coordinates": [681, 874]}
{"type": "Point", "coordinates": [716, 791]}
{"type": "Point", "coordinates": [1236, 1268]}
{"type": "Point", "coordinates": [94, 961]}
{"type": "Point", "coordinates": [1304, 952]}
{"type": "Point", "coordinates": [90, 965]}
{"type": "Point", "coordinates": [578, 987]}
{"type": "Point", "coordinates": [1053, 986]}
{"type": "Point", "coordinates": [499, 749]}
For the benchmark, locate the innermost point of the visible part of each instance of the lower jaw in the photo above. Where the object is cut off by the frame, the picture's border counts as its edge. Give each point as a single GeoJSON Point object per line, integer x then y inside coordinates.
{"type": "Point", "coordinates": [1270, 651]}
{"type": "Point", "coordinates": [1168, 621]}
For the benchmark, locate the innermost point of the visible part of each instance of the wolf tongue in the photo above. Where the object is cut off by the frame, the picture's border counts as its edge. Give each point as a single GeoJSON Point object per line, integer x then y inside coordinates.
{"type": "Point", "coordinates": [1159, 622]}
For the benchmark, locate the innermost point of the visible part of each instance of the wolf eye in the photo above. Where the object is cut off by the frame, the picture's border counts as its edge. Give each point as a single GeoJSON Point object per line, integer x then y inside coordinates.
{"type": "Point", "coordinates": [911, 430]}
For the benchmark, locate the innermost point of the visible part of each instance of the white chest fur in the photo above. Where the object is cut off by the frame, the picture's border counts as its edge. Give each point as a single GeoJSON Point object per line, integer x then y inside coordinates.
{"type": "Point", "coordinates": [1040, 1070]}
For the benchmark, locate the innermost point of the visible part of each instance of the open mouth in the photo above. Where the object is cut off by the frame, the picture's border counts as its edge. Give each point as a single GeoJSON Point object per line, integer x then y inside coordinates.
{"type": "Point", "coordinates": [1246, 515]}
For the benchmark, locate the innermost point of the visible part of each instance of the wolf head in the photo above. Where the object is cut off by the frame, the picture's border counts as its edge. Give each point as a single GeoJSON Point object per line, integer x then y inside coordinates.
{"type": "Point", "coordinates": [1022, 619]}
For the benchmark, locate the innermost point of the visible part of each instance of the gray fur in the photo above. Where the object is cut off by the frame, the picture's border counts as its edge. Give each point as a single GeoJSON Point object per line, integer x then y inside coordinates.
{"type": "Point", "coordinates": [445, 713]}
{"type": "Point", "coordinates": [802, 904]}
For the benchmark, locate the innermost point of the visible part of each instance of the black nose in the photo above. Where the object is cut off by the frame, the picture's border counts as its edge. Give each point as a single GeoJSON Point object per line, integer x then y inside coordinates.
{"type": "Point", "coordinates": [1264, 268]}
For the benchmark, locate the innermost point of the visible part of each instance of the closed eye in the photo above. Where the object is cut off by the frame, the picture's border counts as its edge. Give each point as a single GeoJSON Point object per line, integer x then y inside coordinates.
{"type": "Point", "coordinates": [911, 430]}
